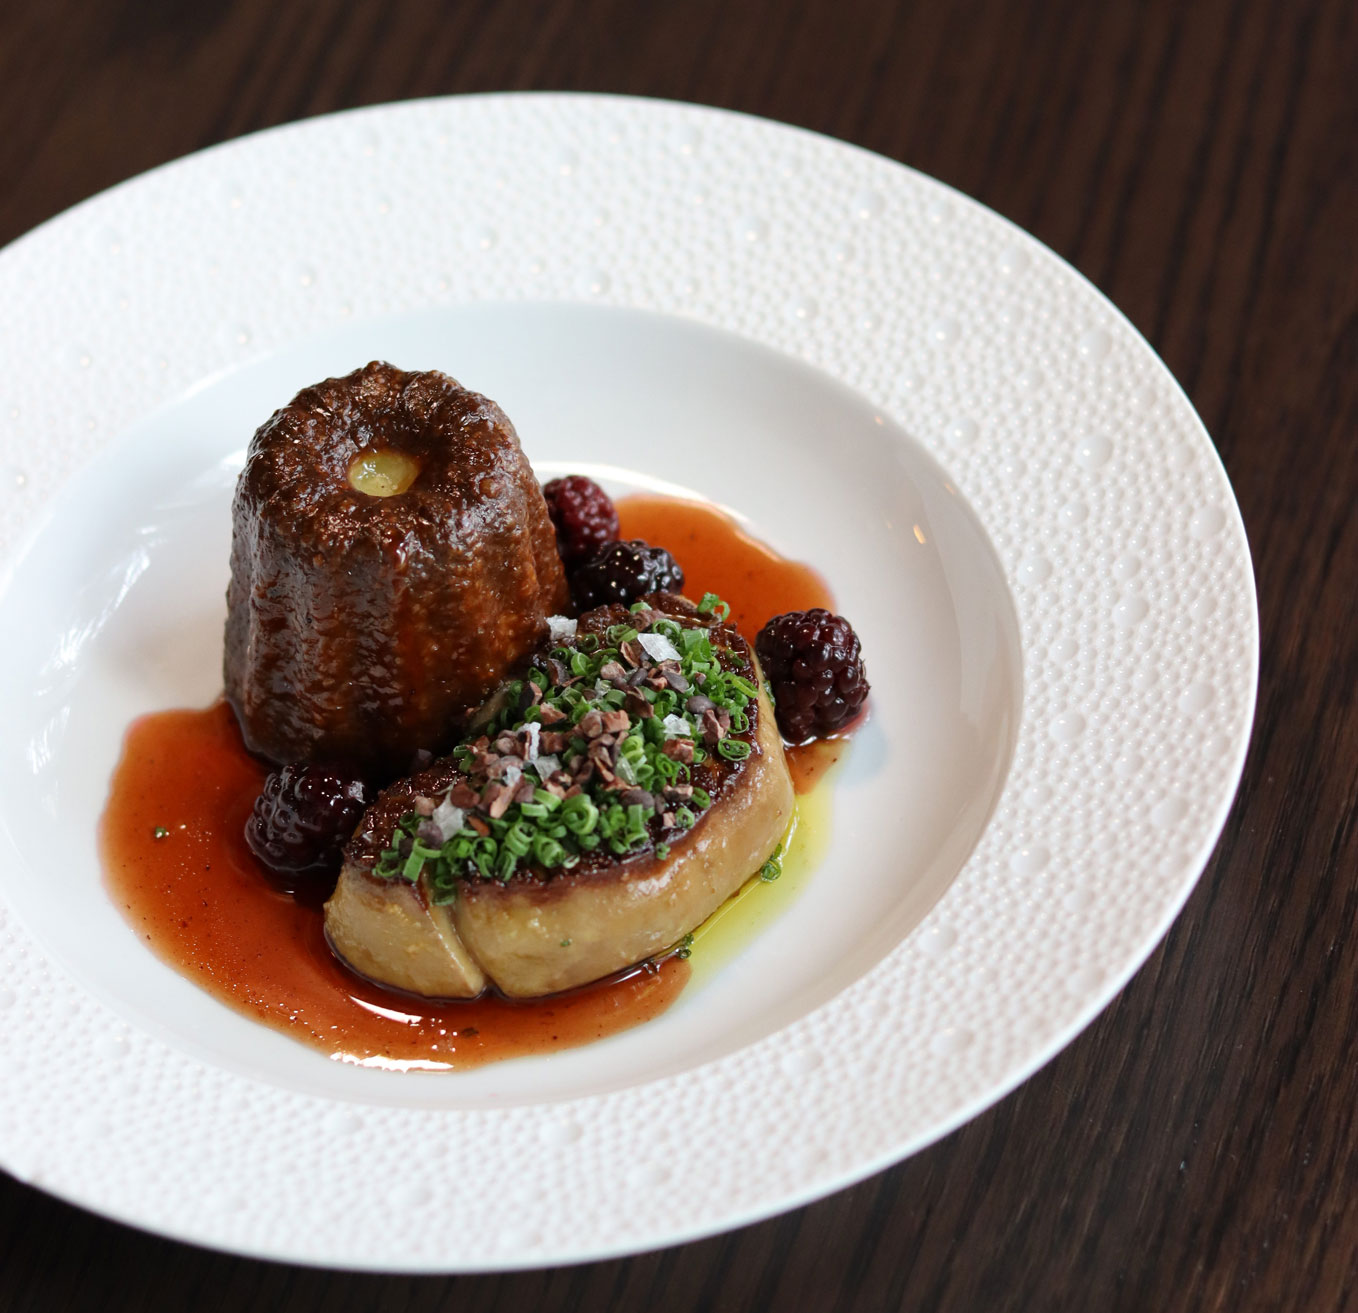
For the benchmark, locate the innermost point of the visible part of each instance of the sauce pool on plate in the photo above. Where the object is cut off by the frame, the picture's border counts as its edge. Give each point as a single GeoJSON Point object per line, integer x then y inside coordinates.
{"type": "Point", "coordinates": [718, 556]}
{"type": "Point", "coordinates": [176, 863]}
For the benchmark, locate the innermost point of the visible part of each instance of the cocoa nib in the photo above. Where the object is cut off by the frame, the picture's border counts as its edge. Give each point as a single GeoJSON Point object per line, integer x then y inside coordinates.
{"type": "Point", "coordinates": [680, 749]}
{"type": "Point", "coordinates": [637, 798]}
{"type": "Point", "coordinates": [674, 677]}
{"type": "Point", "coordinates": [604, 748]}
{"type": "Point", "coordinates": [638, 706]}
{"type": "Point", "coordinates": [591, 724]}
{"type": "Point", "coordinates": [601, 757]}
{"type": "Point", "coordinates": [716, 725]}
{"type": "Point", "coordinates": [496, 799]}
{"type": "Point", "coordinates": [464, 796]}
{"type": "Point", "coordinates": [616, 722]}
{"type": "Point", "coordinates": [550, 715]}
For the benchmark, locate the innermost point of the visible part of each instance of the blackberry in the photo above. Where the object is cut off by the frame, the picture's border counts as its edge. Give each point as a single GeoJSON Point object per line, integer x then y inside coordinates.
{"type": "Point", "coordinates": [585, 518]}
{"type": "Point", "coordinates": [303, 817]}
{"type": "Point", "coordinates": [624, 571]}
{"type": "Point", "coordinates": [815, 667]}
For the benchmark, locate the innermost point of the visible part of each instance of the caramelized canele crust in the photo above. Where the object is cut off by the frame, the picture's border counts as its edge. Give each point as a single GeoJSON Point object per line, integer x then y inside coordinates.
{"type": "Point", "coordinates": [363, 627]}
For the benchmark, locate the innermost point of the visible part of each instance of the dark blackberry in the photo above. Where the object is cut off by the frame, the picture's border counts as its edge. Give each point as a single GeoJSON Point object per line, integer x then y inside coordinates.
{"type": "Point", "coordinates": [624, 571]}
{"type": "Point", "coordinates": [303, 817]}
{"type": "Point", "coordinates": [585, 518]}
{"type": "Point", "coordinates": [812, 662]}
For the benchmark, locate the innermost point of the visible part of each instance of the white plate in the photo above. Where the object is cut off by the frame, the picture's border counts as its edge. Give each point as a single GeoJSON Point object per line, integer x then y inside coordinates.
{"type": "Point", "coordinates": [1012, 500]}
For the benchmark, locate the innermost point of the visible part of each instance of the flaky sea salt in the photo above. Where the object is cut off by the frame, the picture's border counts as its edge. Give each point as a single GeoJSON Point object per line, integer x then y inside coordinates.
{"type": "Point", "coordinates": [658, 647]}
{"type": "Point", "coordinates": [447, 819]}
{"type": "Point", "coordinates": [676, 727]}
{"type": "Point", "coordinates": [546, 765]}
{"type": "Point", "coordinates": [533, 730]}
{"type": "Point", "coordinates": [560, 627]}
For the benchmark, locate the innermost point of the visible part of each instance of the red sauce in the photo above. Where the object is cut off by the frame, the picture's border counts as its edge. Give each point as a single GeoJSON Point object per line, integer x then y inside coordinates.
{"type": "Point", "coordinates": [205, 905]}
{"type": "Point", "coordinates": [718, 556]}
{"type": "Point", "coordinates": [807, 763]}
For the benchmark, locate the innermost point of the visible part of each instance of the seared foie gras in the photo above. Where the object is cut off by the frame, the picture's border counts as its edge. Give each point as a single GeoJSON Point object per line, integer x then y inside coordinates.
{"type": "Point", "coordinates": [610, 806]}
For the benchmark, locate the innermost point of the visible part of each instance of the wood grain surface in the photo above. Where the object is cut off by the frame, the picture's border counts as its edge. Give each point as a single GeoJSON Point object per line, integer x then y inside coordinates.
{"type": "Point", "coordinates": [1196, 1148]}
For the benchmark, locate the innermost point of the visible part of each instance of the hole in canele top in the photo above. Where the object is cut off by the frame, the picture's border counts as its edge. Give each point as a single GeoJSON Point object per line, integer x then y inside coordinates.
{"type": "Point", "coordinates": [382, 472]}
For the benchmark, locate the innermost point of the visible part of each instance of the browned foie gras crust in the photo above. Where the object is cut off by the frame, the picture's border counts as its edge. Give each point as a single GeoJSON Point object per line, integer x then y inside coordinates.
{"type": "Point", "coordinates": [540, 933]}
{"type": "Point", "coordinates": [363, 627]}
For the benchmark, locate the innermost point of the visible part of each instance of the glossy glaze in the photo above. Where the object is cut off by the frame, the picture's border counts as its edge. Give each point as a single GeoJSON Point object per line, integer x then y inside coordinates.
{"type": "Point", "coordinates": [718, 556]}
{"type": "Point", "coordinates": [364, 618]}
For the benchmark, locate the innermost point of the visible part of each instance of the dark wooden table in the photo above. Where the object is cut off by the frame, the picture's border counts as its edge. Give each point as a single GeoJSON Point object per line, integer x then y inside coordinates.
{"type": "Point", "coordinates": [1196, 1148]}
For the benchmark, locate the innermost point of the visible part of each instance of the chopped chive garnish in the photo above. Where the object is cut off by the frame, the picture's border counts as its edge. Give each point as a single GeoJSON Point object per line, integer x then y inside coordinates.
{"type": "Point", "coordinates": [713, 605]}
{"type": "Point", "coordinates": [586, 691]}
{"type": "Point", "coordinates": [772, 868]}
